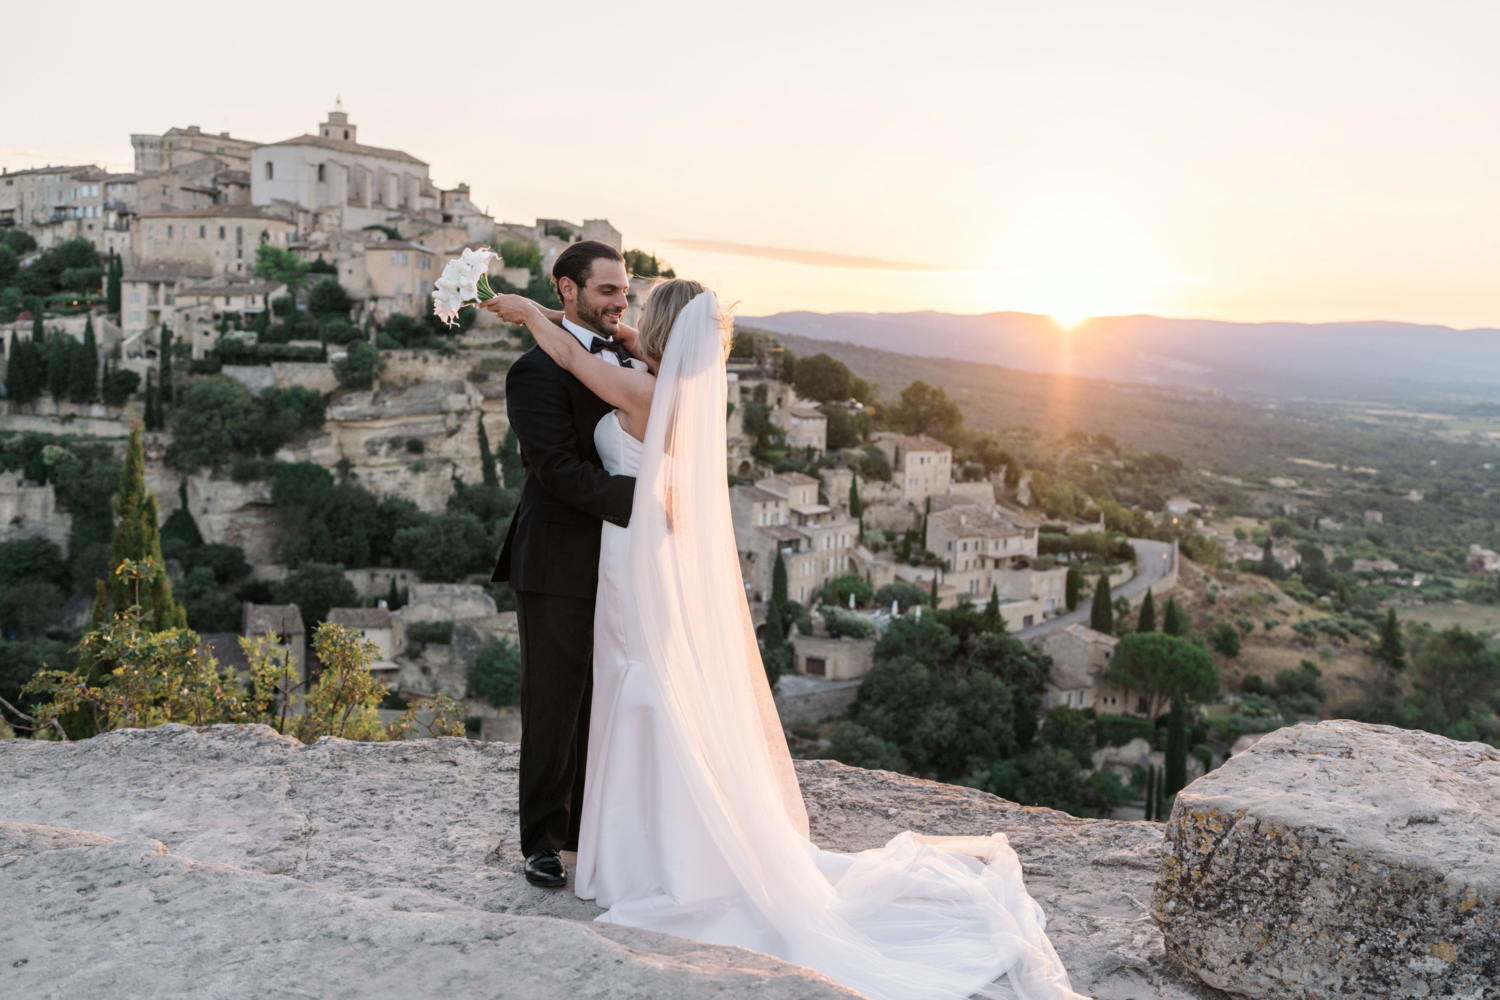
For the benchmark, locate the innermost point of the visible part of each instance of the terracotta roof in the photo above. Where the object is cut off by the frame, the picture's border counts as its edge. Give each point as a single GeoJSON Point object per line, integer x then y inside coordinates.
{"type": "Point", "coordinates": [218, 212]}
{"type": "Point", "coordinates": [757, 495]}
{"type": "Point", "coordinates": [279, 618]}
{"type": "Point", "coordinates": [345, 146]}
{"type": "Point", "coordinates": [166, 271]}
{"type": "Point", "coordinates": [781, 532]}
{"type": "Point", "coordinates": [919, 443]}
{"type": "Point", "coordinates": [360, 617]}
{"type": "Point", "coordinates": [976, 522]}
{"type": "Point", "coordinates": [795, 479]}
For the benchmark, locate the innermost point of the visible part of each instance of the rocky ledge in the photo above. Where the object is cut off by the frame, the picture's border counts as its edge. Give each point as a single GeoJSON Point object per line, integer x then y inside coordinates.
{"type": "Point", "coordinates": [1339, 860]}
{"type": "Point", "coordinates": [227, 861]}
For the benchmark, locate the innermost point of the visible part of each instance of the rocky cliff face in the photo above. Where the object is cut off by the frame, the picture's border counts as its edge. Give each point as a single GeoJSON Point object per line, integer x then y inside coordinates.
{"type": "Point", "coordinates": [177, 862]}
{"type": "Point", "coordinates": [1339, 860]}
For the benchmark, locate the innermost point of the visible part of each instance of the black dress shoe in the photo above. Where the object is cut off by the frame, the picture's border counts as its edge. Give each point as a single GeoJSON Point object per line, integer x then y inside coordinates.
{"type": "Point", "coordinates": [545, 868]}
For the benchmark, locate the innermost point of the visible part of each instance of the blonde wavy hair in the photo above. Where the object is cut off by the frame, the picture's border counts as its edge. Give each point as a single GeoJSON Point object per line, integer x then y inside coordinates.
{"type": "Point", "coordinates": [666, 301]}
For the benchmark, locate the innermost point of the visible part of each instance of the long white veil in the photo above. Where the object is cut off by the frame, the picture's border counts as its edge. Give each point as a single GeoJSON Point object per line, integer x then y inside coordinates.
{"type": "Point", "coordinates": [937, 918]}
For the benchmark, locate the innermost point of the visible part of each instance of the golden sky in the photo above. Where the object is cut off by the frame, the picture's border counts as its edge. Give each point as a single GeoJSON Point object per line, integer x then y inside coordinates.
{"type": "Point", "coordinates": [1282, 160]}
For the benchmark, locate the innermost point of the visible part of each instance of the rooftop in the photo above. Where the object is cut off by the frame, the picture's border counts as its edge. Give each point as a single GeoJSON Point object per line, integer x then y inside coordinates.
{"type": "Point", "coordinates": [278, 618]}
{"type": "Point", "coordinates": [794, 479]}
{"type": "Point", "coordinates": [757, 495]}
{"type": "Point", "coordinates": [976, 522]}
{"type": "Point", "coordinates": [217, 211]}
{"type": "Point", "coordinates": [360, 617]}
{"type": "Point", "coordinates": [782, 533]}
{"type": "Point", "coordinates": [345, 146]}
{"type": "Point", "coordinates": [919, 443]}
{"type": "Point", "coordinates": [167, 270]}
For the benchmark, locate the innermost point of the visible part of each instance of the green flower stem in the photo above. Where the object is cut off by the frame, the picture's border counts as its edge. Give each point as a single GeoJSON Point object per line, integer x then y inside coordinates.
{"type": "Point", "coordinates": [483, 288]}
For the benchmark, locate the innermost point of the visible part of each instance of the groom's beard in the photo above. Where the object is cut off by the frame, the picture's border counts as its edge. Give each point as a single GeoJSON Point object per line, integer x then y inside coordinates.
{"type": "Point", "coordinates": [605, 322]}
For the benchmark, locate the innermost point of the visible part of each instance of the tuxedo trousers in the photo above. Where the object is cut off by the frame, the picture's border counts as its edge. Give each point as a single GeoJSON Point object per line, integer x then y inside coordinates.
{"type": "Point", "coordinates": [557, 685]}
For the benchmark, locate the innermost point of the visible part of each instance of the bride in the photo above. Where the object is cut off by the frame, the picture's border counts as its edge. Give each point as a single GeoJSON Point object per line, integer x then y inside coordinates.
{"type": "Point", "coordinates": [693, 823]}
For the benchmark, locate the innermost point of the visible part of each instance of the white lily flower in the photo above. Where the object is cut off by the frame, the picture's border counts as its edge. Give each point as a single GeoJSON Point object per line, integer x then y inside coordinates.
{"type": "Point", "coordinates": [464, 280]}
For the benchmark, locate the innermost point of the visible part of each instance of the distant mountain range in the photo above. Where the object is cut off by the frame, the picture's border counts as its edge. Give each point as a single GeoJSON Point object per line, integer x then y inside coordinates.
{"type": "Point", "coordinates": [1255, 361]}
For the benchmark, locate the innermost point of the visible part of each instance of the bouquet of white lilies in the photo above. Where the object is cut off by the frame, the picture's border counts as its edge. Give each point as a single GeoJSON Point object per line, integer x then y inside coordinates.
{"type": "Point", "coordinates": [464, 280]}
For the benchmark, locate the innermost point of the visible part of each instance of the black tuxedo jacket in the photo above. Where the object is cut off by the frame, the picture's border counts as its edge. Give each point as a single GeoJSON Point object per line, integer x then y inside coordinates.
{"type": "Point", "coordinates": [553, 543]}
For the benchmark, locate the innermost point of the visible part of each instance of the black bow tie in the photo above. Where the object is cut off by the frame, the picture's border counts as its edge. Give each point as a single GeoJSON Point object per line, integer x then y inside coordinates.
{"type": "Point", "coordinates": [612, 346]}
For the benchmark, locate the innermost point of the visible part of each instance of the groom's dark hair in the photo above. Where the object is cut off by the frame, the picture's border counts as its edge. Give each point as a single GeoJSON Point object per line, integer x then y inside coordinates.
{"type": "Point", "coordinates": [577, 262]}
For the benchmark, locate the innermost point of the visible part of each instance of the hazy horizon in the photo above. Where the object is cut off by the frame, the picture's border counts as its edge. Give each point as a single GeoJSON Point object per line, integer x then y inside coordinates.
{"type": "Point", "coordinates": [1293, 163]}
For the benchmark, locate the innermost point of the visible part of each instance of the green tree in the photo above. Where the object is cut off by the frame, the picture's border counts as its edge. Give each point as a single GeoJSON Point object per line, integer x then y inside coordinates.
{"type": "Point", "coordinates": [856, 509]}
{"type": "Point", "coordinates": [83, 373]}
{"type": "Point", "coordinates": [114, 276]}
{"type": "Point", "coordinates": [1150, 796]}
{"type": "Point", "coordinates": [276, 264]}
{"type": "Point", "coordinates": [854, 745]}
{"type": "Point", "coordinates": [166, 393]}
{"type": "Point", "coordinates": [1176, 749]}
{"type": "Point", "coordinates": [521, 253]}
{"type": "Point", "coordinates": [994, 621]}
{"type": "Point", "coordinates": [1391, 649]}
{"type": "Point", "coordinates": [153, 402]}
{"type": "Point", "coordinates": [359, 367]}
{"type": "Point", "coordinates": [1163, 667]}
{"type": "Point", "coordinates": [137, 539]}
{"type": "Point", "coordinates": [445, 548]}
{"type": "Point", "coordinates": [1102, 612]}
{"type": "Point", "coordinates": [216, 418]}
{"type": "Point", "coordinates": [903, 594]}
{"type": "Point", "coordinates": [1045, 776]}
{"type": "Point", "coordinates": [495, 677]}
{"type": "Point", "coordinates": [1147, 621]}
{"type": "Point", "coordinates": [59, 365]}
{"type": "Point", "coordinates": [1225, 638]}
{"type": "Point", "coordinates": [1068, 729]}
{"type": "Point", "coordinates": [328, 298]}
{"type": "Point", "coordinates": [926, 409]}
{"type": "Point", "coordinates": [486, 458]}
{"type": "Point", "coordinates": [822, 378]}
{"type": "Point", "coordinates": [1174, 620]}
{"type": "Point", "coordinates": [117, 385]}
{"type": "Point", "coordinates": [316, 588]}
{"type": "Point", "coordinates": [1269, 567]}
{"type": "Point", "coordinates": [9, 264]}
{"type": "Point", "coordinates": [1072, 587]}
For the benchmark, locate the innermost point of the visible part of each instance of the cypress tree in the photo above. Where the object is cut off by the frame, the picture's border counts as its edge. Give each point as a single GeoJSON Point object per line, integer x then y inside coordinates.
{"type": "Point", "coordinates": [37, 333]}
{"type": "Point", "coordinates": [83, 373]}
{"type": "Point", "coordinates": [1161, 797]}
{"type": "Point", "coordinates": [59, 365]}
{"type": "Point", "coordinates": [1150, 790]}
{"type": "Point", "coordinates": [1176, 775]}
{"type": "Point", "coordinates": [1102, 613]}
{"type": "Point", "coordinates": [856, 509]}
{"type": "Point", "coordinates": [137, 537]}
{"type": "Point", "coordinates": [934, 595]}
{"type": "Point", "coordinates": [994, 621]}
{"type": "Point", "coordinates": [1174, 621]}
{"type": "Point", "coordinates": [164, 386]}
{"type": "Point", "coordinates": [393, 601]}
{"type": "Point", "coordinates": [1392, 649]}
{"type": "Point", "coordinates": [15, 368]}
{"type": "Point", "coordinates": [1147, 621]}
{"type": "Point", "coordinates": [1072, 587]}
{"type": "Point", "coordinates": [1269, 567]}
{"type": "Point", "coordinates": [486, 459]}
{"type": "Point", "coordinates": [153, 405]}
{"type": "Point", "coordinates": [512, 470]}
{"type": "Point", "coordinates": [116, 273]}
{"type": "Point", "coordinates": [778, 580]}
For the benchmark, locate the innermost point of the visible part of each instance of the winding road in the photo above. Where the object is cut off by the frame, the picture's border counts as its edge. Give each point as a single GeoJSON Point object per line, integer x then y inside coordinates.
{"type": "Point", "coordinates": [1153, 560]}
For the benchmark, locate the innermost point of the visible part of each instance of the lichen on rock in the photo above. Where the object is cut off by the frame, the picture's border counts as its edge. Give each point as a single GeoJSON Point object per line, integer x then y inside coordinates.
{"type": "Point", "coordinates": [1336, 860]}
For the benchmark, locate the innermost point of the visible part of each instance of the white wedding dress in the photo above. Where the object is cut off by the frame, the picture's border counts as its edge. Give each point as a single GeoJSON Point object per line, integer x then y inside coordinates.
{"type": "Point", "coordinates": [693, 823]}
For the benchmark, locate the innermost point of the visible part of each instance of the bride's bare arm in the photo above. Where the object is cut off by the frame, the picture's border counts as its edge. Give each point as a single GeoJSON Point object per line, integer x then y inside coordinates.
{"type": "Point", "coordinates": [628, 335]}
{"type": "Point", "coordinates": [627, 389]}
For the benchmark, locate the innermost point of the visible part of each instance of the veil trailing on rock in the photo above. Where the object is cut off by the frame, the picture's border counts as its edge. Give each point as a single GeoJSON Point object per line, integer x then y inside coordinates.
{"type": "Point", "coordinates": [928, 918]}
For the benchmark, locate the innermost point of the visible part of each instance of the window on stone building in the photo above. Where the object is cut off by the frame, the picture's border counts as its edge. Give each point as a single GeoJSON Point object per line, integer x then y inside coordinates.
{"type": "Point", "coordinates": [320, 172]}
{"type": "Point", "coordinates": [169, 232]}
{"type": "Point", "coordinates": [202, 232]}
{"type": "Point", "coordinates": [270, 171]}
{"type": "Point", "coordinates": [221, 232]}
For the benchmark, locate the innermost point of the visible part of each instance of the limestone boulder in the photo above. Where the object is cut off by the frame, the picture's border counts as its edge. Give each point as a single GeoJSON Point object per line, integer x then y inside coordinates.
{"type": "Point", "coordinates": [231, 861]}
{"type": "Point", "coordinates": [1339, 859]}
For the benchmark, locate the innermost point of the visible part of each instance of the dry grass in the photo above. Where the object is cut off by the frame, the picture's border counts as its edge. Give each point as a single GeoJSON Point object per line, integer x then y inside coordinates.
{"type": "Point", "coordinates": [1474, 617]}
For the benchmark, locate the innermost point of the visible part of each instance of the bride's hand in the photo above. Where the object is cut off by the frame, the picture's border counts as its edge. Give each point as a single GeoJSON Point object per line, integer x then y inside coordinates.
{"type": "Point", "coordinates": [511, 308]}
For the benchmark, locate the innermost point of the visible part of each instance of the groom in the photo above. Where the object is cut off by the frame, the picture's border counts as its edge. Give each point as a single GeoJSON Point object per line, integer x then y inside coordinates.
{"type": "Point", "coordinates": [551, 554]}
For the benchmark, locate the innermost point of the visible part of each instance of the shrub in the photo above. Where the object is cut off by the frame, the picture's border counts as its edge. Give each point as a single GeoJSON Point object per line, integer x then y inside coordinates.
{"type": "Point", "coordinates": [847, 623]}
{"type": "Point", "coordinates": [1225, 638]}
{"type": "Point", "coordinates": [495, 677]}
{"type": "Point", "coordinates": [328, 298]}
{"type": "Point", "coordinates": [315, 588]}
{"type": "Point", "coordinates": [854, 745]}
{"type": "Point", "coordinates": [904, 594]}
{"type": "Point", "coordinates": [214, 418]}
{"type": "Point", "coordinates": [225, 563]}
{"type": "Point", "coordinates": [359, 368]}
{"type": "Point", "coordinates": [1118, 730]}
{"type": "Point", "coordinates": [208, 610]}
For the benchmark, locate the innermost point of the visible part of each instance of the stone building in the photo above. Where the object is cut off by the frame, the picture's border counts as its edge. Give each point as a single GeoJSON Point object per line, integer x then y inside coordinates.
{"type": "Point", "coordinates": [376, 626]}
{"type": "Point", "coordinates": [199, 308]}
{"type": "Point", "coordinates": [783, 514]}
{"type": "Point", "coordinates": [920, 466]}
{"type": "Point", "coordinates": [399, 277]}
{"type": "Point", "coordinates": [177, 148]}
{"type": "Point", "coordinates": [832, 659]}
{"type": "Point", "coordinates": [284, 623]}
{"type": "Point", "coordinates": [54, 204]}
{"type": "Point", "coordinates": [219, 238]}
{"type": "Point", "coordinates": [28, 510]}
{"type": "Point", "coordinates": [1080, 656]}
{"type": "Point", "coordinates": [344, 183]}
{"type": "Point", "coordinates": [148, 298]}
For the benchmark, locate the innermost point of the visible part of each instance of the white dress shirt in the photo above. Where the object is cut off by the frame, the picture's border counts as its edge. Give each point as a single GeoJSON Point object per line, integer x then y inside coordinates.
{"type": "Point", "coordinates": [586, 337]}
